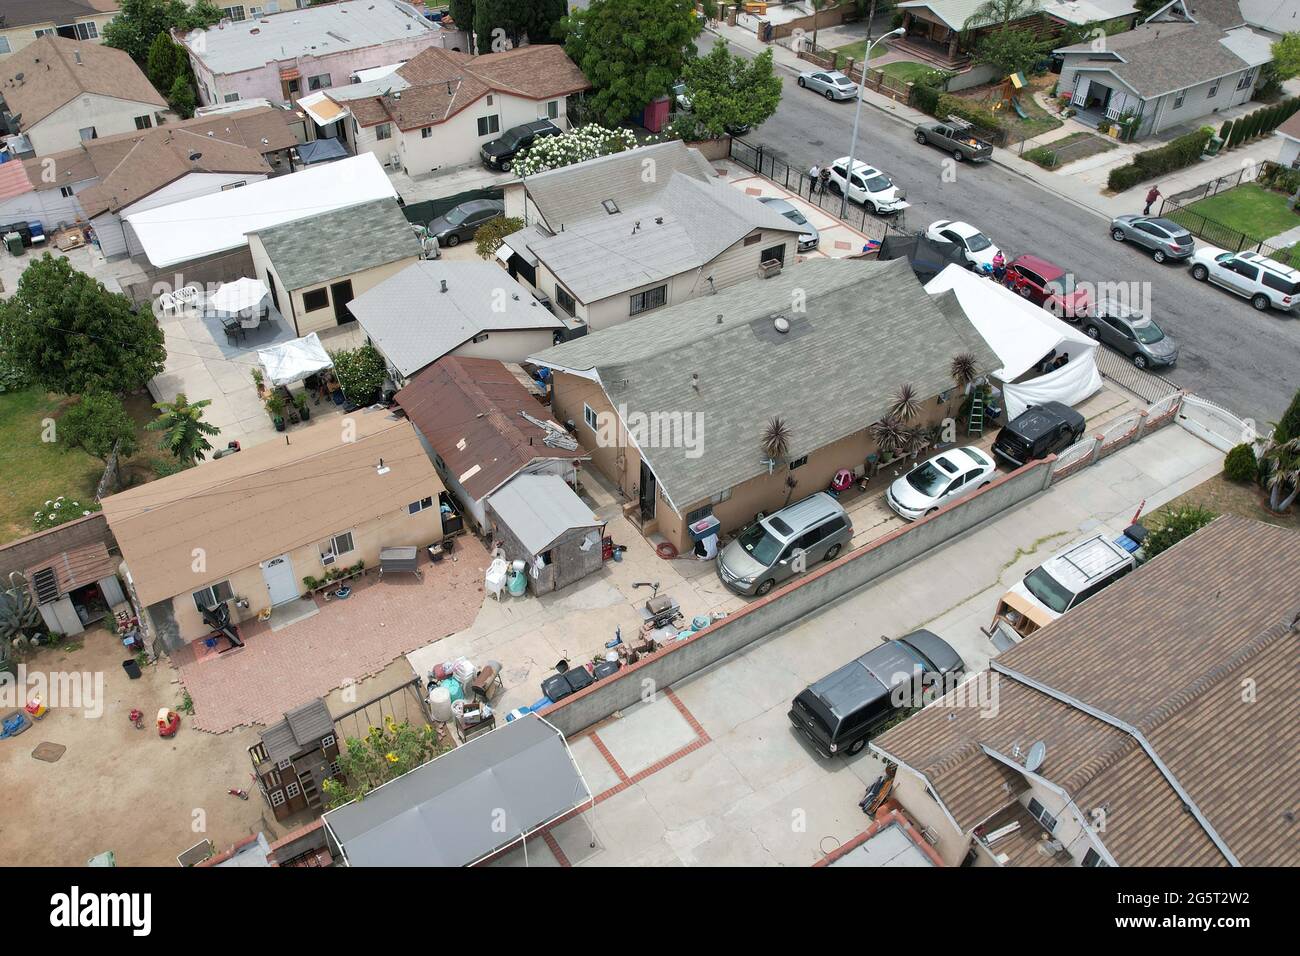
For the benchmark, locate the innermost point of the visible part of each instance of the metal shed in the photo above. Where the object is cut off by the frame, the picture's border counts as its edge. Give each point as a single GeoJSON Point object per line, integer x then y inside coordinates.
{"type": "Point", "coordinates": [540, 519]}
{"type": "Point", "coordinates": [465, 805]}
{"type": "Point", "coordinates": [76, 587]}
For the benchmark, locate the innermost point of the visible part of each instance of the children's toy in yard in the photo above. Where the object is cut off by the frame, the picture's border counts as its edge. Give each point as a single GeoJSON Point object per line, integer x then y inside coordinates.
{"type": "Point", "coordinates": [13, 724]}
{"type": "Point", "coordinates": [168, 722]}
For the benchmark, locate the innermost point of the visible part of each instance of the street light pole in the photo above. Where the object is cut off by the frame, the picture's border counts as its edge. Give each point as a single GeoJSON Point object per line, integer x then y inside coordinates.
{"type": "Point", "coordinates": [857, 116]}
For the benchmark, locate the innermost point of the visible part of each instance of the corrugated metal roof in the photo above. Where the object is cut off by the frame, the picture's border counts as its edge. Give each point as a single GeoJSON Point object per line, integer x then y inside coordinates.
{"type": "Point", "coordinates": [539, 509]}
{"type": "Point", "coordinates": [77, 567]}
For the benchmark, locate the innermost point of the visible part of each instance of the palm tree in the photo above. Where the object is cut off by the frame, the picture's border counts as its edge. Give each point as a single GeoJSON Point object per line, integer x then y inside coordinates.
{"type": "Point", "coordinates": [907, 404]}
{"type": "Point", "coordinates": [1284, 473]}
{"type": "Point", "coordinates": [776, 441]}
{"type": "Point", "coordinates": [963, 372]}
{"type": "Point", "coordinates": [184, 428]}
{"type": "Point", "coordinates": [999, 13]}
{"type": "Point", "coordinates": [890, 435]}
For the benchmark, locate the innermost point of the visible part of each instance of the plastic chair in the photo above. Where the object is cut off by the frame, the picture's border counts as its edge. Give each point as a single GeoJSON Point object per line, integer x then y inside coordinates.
{"type": "Point", "coordinates": [494, 579]}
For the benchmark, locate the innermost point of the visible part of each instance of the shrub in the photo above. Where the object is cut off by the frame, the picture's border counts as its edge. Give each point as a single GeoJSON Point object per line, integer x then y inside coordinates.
{"type": "Point", "coordinates": [1288, 426]}
{"type": "Point", "coordinates": [489, 236]}
{"type": "Point", "coordinates": [1172, 525]}
{"type": "Point", "coordinates": [1225, 131]}
{"type": "Point", "coordinates": [360, 372]}
{"type": "Point", "coordinates": [1177, 154]}
{"type": "Point", "coordinates": [59, 511]}
{"type": "Point", "coordinates": [926, 99]}
{"type": "Point", "coordinates": [1240, 465]}
{"type": "Point", "coordinates": [1042, 156]}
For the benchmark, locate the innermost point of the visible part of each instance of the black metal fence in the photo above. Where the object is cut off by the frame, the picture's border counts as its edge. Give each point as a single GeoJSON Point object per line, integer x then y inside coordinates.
{"type": "Point", "coordinates": [1247, 174]}
{"type": "Point", "coordinates": [797, 181]}
{"type": "Point", "coordinates": [1176, 207]}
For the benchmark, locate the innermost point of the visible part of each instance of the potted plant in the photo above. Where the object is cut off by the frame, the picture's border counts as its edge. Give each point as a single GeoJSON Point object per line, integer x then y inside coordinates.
{"type": "Point", "coordinates": [310, 583]}
{"type": "Point", "coordinates": [258, 381]}
{"type": "Point", "coordinates": [304, 411]}
{"type": "Point", "coordinates": [275, 408]}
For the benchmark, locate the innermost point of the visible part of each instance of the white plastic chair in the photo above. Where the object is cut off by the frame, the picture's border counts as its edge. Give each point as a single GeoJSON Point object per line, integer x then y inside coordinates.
{"type": "Point", "coordinates": [494, 579]}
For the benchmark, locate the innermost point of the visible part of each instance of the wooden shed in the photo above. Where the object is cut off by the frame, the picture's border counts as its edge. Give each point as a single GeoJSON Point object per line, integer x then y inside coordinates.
{"type": "Point", "coordinates": [75, 588]}
{"type": "Point", "coordinates": [541, 520]}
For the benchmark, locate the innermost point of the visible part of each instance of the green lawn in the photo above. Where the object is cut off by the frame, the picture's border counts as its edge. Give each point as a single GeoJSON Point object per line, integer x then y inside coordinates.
{"type": "Point", "coordinates": [1259, 213]}
{"type": "Point", "coordinates": [36, 471]}
{"type": "Point", "coordinates": [1067, 149]}
{"type": "Point", "coordinates": [906, 70]}
{"type": "Point", "coordinates": [854, 50]}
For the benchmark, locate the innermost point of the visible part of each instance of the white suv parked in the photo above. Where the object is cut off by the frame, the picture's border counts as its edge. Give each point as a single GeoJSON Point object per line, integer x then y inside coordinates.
{"type": "Point", "coordinates": [1265, 282]}
{"type": "Point", "coordinates": [870, 186]}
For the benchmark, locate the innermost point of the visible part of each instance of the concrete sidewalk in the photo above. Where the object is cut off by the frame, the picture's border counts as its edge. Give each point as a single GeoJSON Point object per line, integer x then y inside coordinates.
{"type": "Point", "coordinates": [1079, 183]}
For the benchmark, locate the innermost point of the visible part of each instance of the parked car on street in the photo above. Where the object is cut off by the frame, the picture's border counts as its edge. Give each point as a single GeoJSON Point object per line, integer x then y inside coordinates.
{"type": "Point", "coordinates": [680, 97]}
{"type": "Point", "coordinates": [500, 153]}
{"type": "Point", "coordinates": [843, 710]}
{"type": "Point", "coordinates": [947, 477]}
{"type": "Point", "coordinates": [1037, 432]}
{"type": "Point", "coordinates": [976, 248]}
{"type": "Point", "coordinates": [956, 138]}
{"type": "Point", "coordinates": [831, 84]}
{"type": "Point", "coordinates": [459, 223]}
{"type": "Point", "coordinates": [1131, 333]}
{"type": "Point", "coordinates": [1265, 282]}
{"type": "Point", "coordinates": [1047, 285]}
{"type": "Point", "coordinates": [1163, 237]}
{"type": "Point", "coordinates": [870, 187]}
{"type": "Point", "coordinates": [809, 237]}
{"type": "Point", "coordinates": [785, 543]}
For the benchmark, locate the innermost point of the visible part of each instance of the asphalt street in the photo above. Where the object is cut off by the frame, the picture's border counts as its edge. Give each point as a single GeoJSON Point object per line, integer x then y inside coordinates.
{"type": "Point", "coordinates": [1246, 361]}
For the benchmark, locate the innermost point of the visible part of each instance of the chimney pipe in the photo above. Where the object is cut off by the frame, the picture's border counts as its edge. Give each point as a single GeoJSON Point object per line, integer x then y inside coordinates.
{"type": "Point", "coordinates": [443, 283]}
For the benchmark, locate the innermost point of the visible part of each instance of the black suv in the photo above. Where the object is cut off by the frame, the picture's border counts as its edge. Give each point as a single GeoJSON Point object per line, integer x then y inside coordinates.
{"type": "Point", "coordinates": [840, 712]}
{"type": "Point", "coordinates": [1039, 431]}
{"type": "Point", "coordinates": [500, 152]}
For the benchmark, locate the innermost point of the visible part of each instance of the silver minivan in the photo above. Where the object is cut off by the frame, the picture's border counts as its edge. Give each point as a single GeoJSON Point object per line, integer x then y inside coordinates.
{"type": "Point", "coordinates": [785, 543]}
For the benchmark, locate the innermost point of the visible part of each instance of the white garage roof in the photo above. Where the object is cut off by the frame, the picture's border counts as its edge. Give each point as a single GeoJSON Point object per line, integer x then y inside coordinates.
{"type": "Point", "coordinates": [219, 222]}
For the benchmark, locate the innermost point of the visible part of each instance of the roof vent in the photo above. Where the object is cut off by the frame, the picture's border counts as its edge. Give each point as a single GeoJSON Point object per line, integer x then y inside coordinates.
{"type": "Point", "coordinates": [695, 381]}
{"type": "Point", "coordinates": [781, 324]}
{"type": "Point", "coordinates": [443, 284]}
{"type": "Point", "coordinates": [76, 55]}
{"type": "Point", "coordinates": [659, 220]}
{"type": "Point", "coordinates": [382, 469]}
{"type": "Point", "coordinates": [611, 207]}
{"type": "Point", "coordinates": [719, 318]}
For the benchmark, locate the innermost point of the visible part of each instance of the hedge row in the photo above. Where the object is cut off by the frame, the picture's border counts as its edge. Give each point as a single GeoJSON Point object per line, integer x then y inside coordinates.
{"type": "Point", "coordinates": [1258, 123]}
{"type": "Point", "coordinates": [1176, 154]}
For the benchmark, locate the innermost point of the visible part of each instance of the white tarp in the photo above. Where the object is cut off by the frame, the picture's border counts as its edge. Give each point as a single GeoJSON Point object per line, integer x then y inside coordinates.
{"type": "Point", "coordinates": [219, 222]}
{"type": "Point", "coordinates": [294, 360]}
{"type": "Point", "coordinates": [1022, 334]}
{"type": "Point", "coordinates": [237, 296]}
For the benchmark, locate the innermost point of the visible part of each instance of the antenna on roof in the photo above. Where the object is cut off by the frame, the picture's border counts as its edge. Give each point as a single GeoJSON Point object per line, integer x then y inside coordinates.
{"type": "Point", "coordinates": [382, 469]}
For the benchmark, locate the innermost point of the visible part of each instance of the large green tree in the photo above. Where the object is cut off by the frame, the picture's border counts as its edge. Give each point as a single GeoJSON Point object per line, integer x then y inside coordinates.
{"type": "Point", "coordinates": [69, 334]}
{"type": "Point", "coordinates": [1008, 50]}
{"type": "Point", "coordinates": [728, 90]}
{"type": "Point", "coordinates": [185, 433]}
{"type": "Point", "coordinates": [999, 13]}
{"type": "Point", "coordinates": [97, 424]}
{"type": "Point", "coordinates": [631, 51]}
{"type": "Point", "coordinates": [138, 22]}
{"type": "Point", "coordinates": [1286, 56]}
{"type": "Point", "coordinates": [502, 24]}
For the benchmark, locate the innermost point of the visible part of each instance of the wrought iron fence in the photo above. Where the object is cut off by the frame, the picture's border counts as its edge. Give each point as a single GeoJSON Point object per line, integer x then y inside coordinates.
{"type": "Point", "coordinates": [1148, 386]}
{"type": "Point", "coordinates": [1247, 174]}
{"type": "Point", "coordinates": [1176, 207]}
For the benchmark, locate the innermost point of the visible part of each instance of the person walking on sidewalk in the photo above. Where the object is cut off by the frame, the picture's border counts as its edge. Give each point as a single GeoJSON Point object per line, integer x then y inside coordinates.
{"type": "Point", "coordinates": [1152, 196]}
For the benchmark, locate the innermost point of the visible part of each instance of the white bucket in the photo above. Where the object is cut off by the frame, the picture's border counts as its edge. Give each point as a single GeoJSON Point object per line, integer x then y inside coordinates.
{"type": "Point", "coordinates": [440, 704]}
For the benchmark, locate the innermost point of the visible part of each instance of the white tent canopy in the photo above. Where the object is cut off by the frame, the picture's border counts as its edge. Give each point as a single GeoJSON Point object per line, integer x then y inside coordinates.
{"type": "Point", "coordinates": [1021, 334]}
{"type": "Point", "coordinates": [294, 360]}
{"type": "Point", "coordinates": [238, 295]}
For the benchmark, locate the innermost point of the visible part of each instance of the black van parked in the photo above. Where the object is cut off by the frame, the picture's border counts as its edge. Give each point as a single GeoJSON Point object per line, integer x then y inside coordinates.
{"type": "Point", "coordinates": [1037, 432]}
{"type": "Point", "coordinates": [846, 707]}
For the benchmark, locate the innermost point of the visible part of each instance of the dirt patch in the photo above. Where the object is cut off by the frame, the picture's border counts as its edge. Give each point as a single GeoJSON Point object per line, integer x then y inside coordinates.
{"type": "Point", "coordinates": [1227, 497]}
{"type": "Point", "coordinates": [115, 787]}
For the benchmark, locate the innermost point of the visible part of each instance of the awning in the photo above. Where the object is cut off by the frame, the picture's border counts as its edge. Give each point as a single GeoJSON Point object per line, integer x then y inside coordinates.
{"type": "Point", "coordinates": [323, 110]}
{"type": "Point", "coordinates": [321, 151]}
{"type": "Point", "coordinates": [293, 73]}
{"type": "Point", "coordinates": [238, 295]}
{"type": "Point", "coordinates": [467, 803]}
{"type": "Point", "coordinates": [293, 361]}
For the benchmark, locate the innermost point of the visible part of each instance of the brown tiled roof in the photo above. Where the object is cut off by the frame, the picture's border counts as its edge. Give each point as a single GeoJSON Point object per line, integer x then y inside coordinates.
{"type": "Point", "coordinates": [52, 76]}
{"type": "Point", "coordinates": [77, 567]}
{"type": "Point", "coordinates": [468, 411]}
{"type": "Point", "coordinates": [1161, 656]}
{"type": "Point", "coordinates": [1291, 127]}
{"type": "Point", "coordinates": [444, 82]}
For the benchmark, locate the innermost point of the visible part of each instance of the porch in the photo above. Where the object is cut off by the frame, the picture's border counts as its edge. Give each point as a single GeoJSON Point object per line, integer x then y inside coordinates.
{"type": "Point", "coordinates": [930, 41]}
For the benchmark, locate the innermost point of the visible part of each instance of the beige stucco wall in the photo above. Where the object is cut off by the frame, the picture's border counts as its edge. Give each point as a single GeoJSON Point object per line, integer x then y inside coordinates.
{"type": "Point", "coordinates": [363, 281]}
{"type": "Point", "coordinates": [109, 115]}
{"type": "Point", "coordinates": [19, 37]}
{"type": "Point", "coordinates": [910, 791]}
{"type": "Point", "coordinates": [394, 529]}
{"type": "Point", "coordinates": [457, 142]}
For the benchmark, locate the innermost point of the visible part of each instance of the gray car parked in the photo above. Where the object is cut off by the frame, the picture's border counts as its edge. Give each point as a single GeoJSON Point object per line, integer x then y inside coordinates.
{"type": "Point", "coordinates": [784, 544]}
{"type": "Point", "coordinates": [1163, 237]}
{"type": "Point", "coordinates": [1131, 333]}
{"type": "Point", "coordinates": [809, 237]}
{"type": "Point", "coordinates": [831, 84]}
{"type": "Point", "coordinates": [459, 223]}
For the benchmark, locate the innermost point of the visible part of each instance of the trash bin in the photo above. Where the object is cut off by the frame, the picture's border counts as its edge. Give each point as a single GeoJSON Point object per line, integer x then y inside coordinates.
{"type": "Point", "coordinates": [14, 243]}
{"type": "Point", "coordinates": [132, 669]}
{"type": "Point", "coordinates": [1213, 146]}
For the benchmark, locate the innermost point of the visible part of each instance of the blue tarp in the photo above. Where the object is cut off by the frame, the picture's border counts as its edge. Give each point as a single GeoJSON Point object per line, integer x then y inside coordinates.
{"type": "Point", "coordinates": [321, 151]}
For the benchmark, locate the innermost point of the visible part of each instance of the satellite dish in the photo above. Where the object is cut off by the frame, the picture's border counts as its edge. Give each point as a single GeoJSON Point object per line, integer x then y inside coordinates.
{"type": "Point", "coordinates": [1037, 754]}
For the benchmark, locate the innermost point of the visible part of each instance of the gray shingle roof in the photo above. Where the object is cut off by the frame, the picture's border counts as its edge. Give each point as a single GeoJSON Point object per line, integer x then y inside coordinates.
{"type": "Point", "coordinates": [1158, 58]}
{"type": "Point", "coordinates": [687, 224]}
{"type": "Point", "coordinates": [867, 328]}
{"type": "Point", "coordinates": [317, 249]}
{"type": "Point", "coordinates": [413, 323]}
{"type": "Point", "coordinates": [302, 727]}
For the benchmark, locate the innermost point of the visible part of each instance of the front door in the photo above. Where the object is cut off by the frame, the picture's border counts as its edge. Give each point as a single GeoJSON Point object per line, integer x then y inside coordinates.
{"type": "Point", "coordinates": [647, 493]}
{"type": "Point", "coordinates": [341, 293]}
{"type": "Point", "coordinates": [280, 582]}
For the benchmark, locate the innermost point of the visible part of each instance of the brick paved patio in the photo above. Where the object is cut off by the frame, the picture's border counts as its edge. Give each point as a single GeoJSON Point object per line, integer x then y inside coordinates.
{"type": "Point", "coordinates": [347, 640]}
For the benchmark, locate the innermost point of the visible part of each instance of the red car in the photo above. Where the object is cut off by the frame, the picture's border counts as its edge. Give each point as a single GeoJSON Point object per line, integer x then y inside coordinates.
{"type": "Point", "coordinates": [1049, 286]}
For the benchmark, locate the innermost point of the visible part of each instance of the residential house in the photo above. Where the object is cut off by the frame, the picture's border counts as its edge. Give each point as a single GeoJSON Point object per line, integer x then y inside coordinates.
{"type": "Point", "coordinates": [674, 405]}
{"type": "Point", "coordinates": [436, 110]}
{"type": "Point", "coordinates": [281, 56]}
{"type": "Point", "coordinates": [1153, 726]}
{"type": "Point", "coordinates": [316, 265]}
{"type": "Point", "coordinates": [1186, 62]}
{"type": "Point", "coordinates": [606, 241]}
{"type": "Point", "coordinates": [25, 21]}
{"type": "Point", "coordinates": [170, 239]}
{"type": "Point", "coordinates": [245, 530]}
{"type": "Point", "coordinates": [482, 427]}
{"type": "Point", "coordinates": [1289, 133]}
{"type": "Point", "coordinates": [434, 308]}
{"type": "Point", "coordinates": [936, 33]}
{"type": "Point", "coordinates": [59, 93]}
{"type": "Point", "coordinates": [293, 758]}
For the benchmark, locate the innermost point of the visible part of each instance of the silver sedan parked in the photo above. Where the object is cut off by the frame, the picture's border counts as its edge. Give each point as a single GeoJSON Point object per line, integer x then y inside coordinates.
{"type": "Point", "coordinates": [1163, 237]}
{"type": "Point", "coordinates": [832, 84]}
{"type": "Point", "coordinates": [809, 237]}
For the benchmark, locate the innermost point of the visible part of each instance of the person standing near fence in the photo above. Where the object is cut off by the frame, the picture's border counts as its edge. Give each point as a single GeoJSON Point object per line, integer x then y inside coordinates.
{"type": "Point", "coordinates": [813, 173]}
{"type": "Point", "coordinates": [1152, 196]}
{"type": "Point", "coordinates": [823, 178]}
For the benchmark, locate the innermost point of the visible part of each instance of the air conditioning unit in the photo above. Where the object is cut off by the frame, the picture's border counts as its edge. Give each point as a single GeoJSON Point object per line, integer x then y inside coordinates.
{"type": "Point", "coordinates": [395, 160]}
{"type": "Point", "coordinates": [328, 559]}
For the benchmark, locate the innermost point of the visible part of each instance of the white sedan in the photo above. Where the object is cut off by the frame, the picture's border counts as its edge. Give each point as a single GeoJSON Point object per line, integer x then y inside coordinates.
{"type": "Point", "coordinates": [976, 247]}
{"type": "Point", "coordinates": [869, 186]}
{"type": "Point", "coordinates": [947, 477]}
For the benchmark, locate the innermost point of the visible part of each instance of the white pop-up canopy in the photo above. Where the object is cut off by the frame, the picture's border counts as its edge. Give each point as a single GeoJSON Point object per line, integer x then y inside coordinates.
{"type": "Point", "coordinates": [238, 295]}
{"type": "Point", "coordinates": [1022, 334]}
{"type": "Point", "coordinates": [294, 360]}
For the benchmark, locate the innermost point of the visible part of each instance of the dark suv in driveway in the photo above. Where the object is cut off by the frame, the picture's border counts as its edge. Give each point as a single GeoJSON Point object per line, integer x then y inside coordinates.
{"type": "Point", "coordinates": [1037, 432]}
{"type": "Point", "coordinates": [840, 712]}
{"type": "Point", "coordinates": [500, 153]}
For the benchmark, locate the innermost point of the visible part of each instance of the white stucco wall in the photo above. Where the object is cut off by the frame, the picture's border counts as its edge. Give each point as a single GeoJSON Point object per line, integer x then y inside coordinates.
{"type": "Point", "coordinates": [457, 141]}
{"type": "Point", "coordinates": [47, 206]}
{"type": "Point", "coordinates": [116, 237]}
{"type": "Point", "coordinates": [1289, 151]}
{"type": "Point", "coordinates": [108, 115]}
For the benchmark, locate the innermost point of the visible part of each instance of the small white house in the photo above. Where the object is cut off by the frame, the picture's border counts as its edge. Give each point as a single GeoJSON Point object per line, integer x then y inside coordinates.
{"type": "Point", "coordinates": [1289, 134]}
